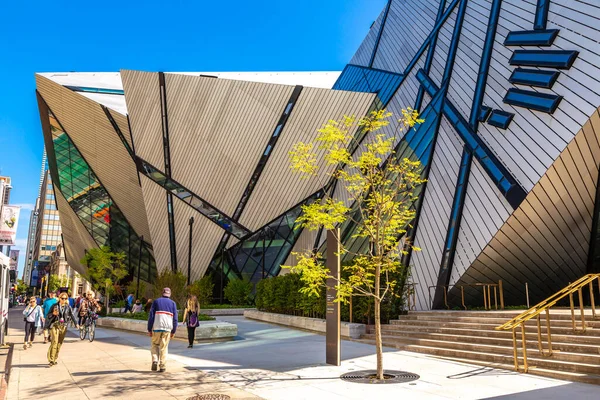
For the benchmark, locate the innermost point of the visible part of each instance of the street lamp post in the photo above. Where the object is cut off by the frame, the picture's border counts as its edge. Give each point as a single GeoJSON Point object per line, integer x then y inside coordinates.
{"type": "Point", "coordinates": [190, 252]}
{"type": "Point", "coordinates": [137, 288]}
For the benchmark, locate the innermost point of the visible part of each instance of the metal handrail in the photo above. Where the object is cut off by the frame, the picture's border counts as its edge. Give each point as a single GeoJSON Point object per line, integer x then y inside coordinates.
{"type": "Point", "coordinates": [544, 306]}
{"type": "Point", "coordinates": [487, 294]}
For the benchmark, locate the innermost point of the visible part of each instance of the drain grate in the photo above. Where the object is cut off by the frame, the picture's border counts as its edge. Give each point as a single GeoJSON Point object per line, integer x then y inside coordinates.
{"type": "Point", "coordinates": [209, 396]}
{"type": "Point", "coordinates": [369, 376]}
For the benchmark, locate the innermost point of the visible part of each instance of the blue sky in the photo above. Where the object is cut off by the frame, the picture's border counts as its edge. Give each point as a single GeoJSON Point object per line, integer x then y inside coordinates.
{"type": "Point", "coordinates": [267, 35]}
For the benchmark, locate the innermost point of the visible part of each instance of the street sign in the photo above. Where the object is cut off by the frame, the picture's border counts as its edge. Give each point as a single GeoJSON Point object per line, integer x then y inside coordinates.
{"type": "Point", "coordinates": [332, 314]}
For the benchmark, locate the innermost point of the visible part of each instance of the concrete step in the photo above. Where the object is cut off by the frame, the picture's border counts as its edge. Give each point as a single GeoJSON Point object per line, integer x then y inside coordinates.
{"type": "Point", "coordinates": [590, 322]}
{"type": "Point", "coordinates": [547, 363]}
{"type": "Point", "coordinates": [555, 313]}
{"type": "Point", "coordinates": [483, 325]}
{"type": "Point", "coordinates": [559, 342]}
{"type": "Point", "coordinates": [575, 357]}
{"type": "Point", "coordinates": [531, 334]}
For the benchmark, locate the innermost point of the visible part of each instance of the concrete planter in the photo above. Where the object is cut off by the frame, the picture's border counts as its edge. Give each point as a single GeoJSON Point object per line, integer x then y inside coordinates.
{"type": "Point", "coordinates": [116, 310]}
{"type": "Point", "coordinates": [348, 330]}
{"type": "Point", "coordinates": [224, 311]}
{"type": "Point", "coordinates": [208, 331]}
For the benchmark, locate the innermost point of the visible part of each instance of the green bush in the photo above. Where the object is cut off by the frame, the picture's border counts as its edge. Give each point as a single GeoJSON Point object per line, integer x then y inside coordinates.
{"type": "Point", "coordinates": [175, 281]}
{"type": "Point", "coordinates": [282, 295]}
{"type": "Point", "coordinates": [143, 316]}
{"type": "Point", "coordinates": [238, 292]}
{"type": "Point", "coordinates": [203, 290]}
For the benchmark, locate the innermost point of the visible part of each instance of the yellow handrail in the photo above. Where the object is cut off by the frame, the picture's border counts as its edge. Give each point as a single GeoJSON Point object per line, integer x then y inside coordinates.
{"type": "Point", "coordinates": [544, 306]}
{"type": "Point", "coordinates": [549, 302]}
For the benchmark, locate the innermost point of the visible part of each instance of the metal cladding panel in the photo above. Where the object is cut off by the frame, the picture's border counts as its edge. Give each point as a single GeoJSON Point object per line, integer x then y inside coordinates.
{"type": "Point", "coordinates": [142, 94]}
{"type": "Point", "coordinates": [76, 237]}
{"type": "Point", "coordinates": [121, 121]}
{"type": "Point", "coordinates": [440, 55]}
{"type": "Point", "coordinates": [305, 242]}
{"type": "Point", "coordinates": [279, 188]}
{"type": "Point", "coordinates": [411, 22]}
{"type": "Point", "coordinates": [545, 242]}
{"type": "Point", "coordinates": [92, 133]}
{"type": "Point", "coordinates": [468, 55]}
{"type": "Point", "coordinates": [364, 52]}
{"type": "Point", "coordinates": [205, 239]}
{"type": "Point", "coordinates": [155, 201]}
{"type": "Point", "coordinates": [534, 139]}
{"type": "Point", "coordinates": [218, 131]}
{"type": "Point", "coordinates": [484, 212]}
{"type": "Point", "coordinates": [435, 213]}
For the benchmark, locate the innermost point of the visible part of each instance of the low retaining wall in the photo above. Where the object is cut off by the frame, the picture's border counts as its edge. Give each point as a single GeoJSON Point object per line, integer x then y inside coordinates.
{"type": "Point", "coordinates": [206, 332]}
{"type": "Point", "coordinates": [224, 311]}
{"type": "Point", "coordinates": [348, 330]}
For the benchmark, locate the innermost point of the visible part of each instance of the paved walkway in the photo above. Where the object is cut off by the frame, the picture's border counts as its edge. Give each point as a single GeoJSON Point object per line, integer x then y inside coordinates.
{"type": "Point", "coordinates": [266, 361]}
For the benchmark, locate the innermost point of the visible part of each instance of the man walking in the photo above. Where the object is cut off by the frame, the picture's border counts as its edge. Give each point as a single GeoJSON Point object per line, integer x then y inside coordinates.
{"type": "Point", "coordinates": [162, 324]}
{"type": "Point", "coordinates": [129, 303]}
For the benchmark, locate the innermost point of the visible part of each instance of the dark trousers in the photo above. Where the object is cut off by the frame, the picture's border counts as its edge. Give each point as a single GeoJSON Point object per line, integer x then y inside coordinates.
{"type": "Point", "coordinates": [191, 335]}
{"type": "Point", "coordinates": [29, 331]}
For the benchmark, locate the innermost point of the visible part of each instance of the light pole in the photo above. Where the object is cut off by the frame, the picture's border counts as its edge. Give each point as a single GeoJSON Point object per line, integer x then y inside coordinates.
{"type": "Point", "coordinates": [137, 289]}
{"type": "Point", "coordinates": [190, 251]}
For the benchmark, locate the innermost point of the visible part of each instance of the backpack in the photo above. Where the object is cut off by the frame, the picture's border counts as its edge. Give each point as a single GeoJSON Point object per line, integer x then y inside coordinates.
{"type": "Point", "coordinates": [193, 319]}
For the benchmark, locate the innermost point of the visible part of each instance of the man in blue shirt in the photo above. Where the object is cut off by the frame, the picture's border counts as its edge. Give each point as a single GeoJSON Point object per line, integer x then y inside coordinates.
{"type": "Point", "coordinates": [48, 303]}
{"type": "Point", "coordinates": [162, 324]}
{"type": "Point", "coordinates": [129, 302]}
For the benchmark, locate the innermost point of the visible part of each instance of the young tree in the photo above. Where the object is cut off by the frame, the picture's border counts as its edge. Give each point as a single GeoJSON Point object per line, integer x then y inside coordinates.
{"type": "Point", "coordinates": [21, 287]}
{"type": "Point", "coordinates": [105, 270]}
{"type": "Point", "coordinates": [56, 281]}
{"type": "Point", "coordinates": [383, 189]}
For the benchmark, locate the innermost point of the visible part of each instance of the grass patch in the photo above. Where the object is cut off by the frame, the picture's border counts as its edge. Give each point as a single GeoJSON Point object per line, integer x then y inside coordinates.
{"type": "Point", "coordinates": [143, 316]}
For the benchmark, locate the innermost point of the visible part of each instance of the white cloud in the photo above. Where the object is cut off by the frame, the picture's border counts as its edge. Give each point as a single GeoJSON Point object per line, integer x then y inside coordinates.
{"type": "Point", "coordinates": [20, 244]}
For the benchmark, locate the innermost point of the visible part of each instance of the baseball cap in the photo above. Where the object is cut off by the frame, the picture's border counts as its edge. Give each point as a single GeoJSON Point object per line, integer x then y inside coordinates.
{"type": "Point", "coordinates": [166, 292]}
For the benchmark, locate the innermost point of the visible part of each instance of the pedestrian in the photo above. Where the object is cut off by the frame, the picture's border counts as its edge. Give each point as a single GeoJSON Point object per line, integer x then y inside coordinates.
{"type": "Point", "coordinates": [137, 307]}
{"type": "Point", "coordinates": [162, 324]}
{"type": "Point", "coordinates": [148, 306]}
{"type": "Point", "coordinates": [34, 317]}
{"type": "Point", "coordinates": [47, 305]}
{"type": "Point", "coordinates": [190, 318]}
{"type": "Point", "coordinates": [71, 301]}
{"type": "Point", "coordinates": [58, 318]}
{"type": "Point", "coordinates": [129, 302]}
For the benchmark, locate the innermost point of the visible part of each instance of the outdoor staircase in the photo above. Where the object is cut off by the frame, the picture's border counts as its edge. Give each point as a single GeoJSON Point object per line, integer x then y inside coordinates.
{"type": "Point", "coordinates": [471, 336]}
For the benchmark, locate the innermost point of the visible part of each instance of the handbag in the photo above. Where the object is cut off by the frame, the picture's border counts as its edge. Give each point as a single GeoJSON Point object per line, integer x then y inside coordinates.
{"type": "Point", "coordinates": [193, 320]}
{"type": "Point", "coordinates": [30, 312]}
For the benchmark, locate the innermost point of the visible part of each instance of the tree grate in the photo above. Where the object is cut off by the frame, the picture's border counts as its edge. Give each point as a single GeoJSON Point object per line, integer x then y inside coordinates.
{"type": "Point", "coordinates": [210, 396]}
{"type": "Point", "coordinates": [369, 376]}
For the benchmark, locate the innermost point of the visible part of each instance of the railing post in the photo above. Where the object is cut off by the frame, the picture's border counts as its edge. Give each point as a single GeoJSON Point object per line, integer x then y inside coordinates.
{"type": "Point", "coordinates": [572, 311]}
{"type": "Point", "coordinates": [548, 331]}
{"type": "Point", "coordinates": [524, 342]}
{"type": "Point", "coordinates": [515, 352]}
{"type": "Point", "coordinates": [495, 298]}
{"type": "Point", "coordinates": [484, 298]}
{"type": "Point", "coordinates": [592, 301]}
{"type": "Point", "coordinates": [539, 335]}
{"type": "Point", "coordinates": [580, 292]}
{"type": "Point", "coordinates": [462, 296]}
{"type": "Point", "coordinates": [501, 290]}
{"type": "Point", "coordinates": [489, 289]}
{"type": "Point", "coordinates": [527, 293]}
{"type": "Point", "coordinates": [446, 297]}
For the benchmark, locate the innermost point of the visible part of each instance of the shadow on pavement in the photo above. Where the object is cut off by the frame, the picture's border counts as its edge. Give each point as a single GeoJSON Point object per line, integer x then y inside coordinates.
{"type": "Point", "coordinates": [567, 391]}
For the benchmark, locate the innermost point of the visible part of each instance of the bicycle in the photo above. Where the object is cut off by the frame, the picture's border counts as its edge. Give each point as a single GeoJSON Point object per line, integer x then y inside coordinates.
{"type": "Point", "coordinates": [89, 327]}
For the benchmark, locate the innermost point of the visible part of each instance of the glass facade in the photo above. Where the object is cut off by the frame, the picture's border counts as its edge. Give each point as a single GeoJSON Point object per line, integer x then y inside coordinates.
{"type": "Point", "coordinates": [94, 207]}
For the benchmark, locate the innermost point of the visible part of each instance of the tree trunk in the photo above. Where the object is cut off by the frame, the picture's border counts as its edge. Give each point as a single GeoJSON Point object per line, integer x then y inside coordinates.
{"type": "Point", "coordinates": [378, 344]}
{"type": "Point", "coordinates": [106, 299]}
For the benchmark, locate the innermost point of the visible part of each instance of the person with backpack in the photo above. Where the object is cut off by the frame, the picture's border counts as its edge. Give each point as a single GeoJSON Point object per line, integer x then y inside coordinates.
{"type": "Point", "coordinates": [162, 324]}
{"type": "Point", "coordinates": [33, 318]}
{"type": "Point", "coordinates": [47, 305]}
{"type": "Point", "coordinates": [58, 319]}
{"type": "Point", "coordinates": [190, 318]}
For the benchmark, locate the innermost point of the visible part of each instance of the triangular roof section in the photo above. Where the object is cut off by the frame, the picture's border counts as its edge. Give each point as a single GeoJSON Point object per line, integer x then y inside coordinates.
{"type": "Point", "coordinates": [106, 88]}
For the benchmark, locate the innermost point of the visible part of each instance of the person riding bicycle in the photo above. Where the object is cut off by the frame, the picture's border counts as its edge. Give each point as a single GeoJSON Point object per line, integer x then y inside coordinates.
{"type": "Point", "coordinates": [87, 305]}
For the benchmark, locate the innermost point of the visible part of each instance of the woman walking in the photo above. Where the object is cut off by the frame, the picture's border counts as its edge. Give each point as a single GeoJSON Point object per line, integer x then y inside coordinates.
{"type": "Point", "coordinates": [58, 318]}
{"type": "Point", "coordinates": [34, 318]}
{"type": "Point", "coordinates": [190, 318]}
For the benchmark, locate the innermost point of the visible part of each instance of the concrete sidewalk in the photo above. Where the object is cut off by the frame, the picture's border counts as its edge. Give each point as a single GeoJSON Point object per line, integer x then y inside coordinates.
{"type": "Point", "coordinates": [115, 365]}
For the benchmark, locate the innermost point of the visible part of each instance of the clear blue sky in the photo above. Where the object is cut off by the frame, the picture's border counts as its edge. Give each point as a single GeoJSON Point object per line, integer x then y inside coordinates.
{"type": "Point", "coordinates": [267, 35]}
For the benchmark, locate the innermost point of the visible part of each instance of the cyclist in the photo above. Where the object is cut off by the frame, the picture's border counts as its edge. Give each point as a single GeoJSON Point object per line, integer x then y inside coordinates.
{"type": "Point", "coordinates": [88, 304]}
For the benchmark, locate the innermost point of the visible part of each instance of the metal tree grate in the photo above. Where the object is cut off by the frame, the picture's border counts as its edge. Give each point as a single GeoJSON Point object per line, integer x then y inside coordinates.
{"type": "Point", "coordinates": [209, 396]}
{"type": "Point", "coordinates": [370, 376]}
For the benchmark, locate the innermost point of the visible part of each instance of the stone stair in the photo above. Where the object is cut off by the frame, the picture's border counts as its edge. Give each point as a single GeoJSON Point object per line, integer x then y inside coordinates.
{"type": "Point", "coordinates": [471, 336]}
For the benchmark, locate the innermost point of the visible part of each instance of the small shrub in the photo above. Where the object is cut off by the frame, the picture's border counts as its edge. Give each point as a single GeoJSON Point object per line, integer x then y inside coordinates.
{"type": "Point", "coordinates": [203, 290]}
{"type": "Point", "coordinates": [238, 292]}
{"type": "Point", "coordinates": [175, 281]}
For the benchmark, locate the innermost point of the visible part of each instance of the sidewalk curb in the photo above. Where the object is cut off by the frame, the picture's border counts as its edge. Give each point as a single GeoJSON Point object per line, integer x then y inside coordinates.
{"type": "Point", "coordinates": [7, 372]}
